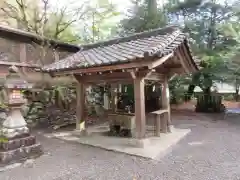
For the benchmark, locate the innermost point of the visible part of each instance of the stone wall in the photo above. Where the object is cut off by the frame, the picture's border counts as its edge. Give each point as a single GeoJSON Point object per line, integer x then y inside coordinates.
{"type": "Point", "coordinates": [10, 52]}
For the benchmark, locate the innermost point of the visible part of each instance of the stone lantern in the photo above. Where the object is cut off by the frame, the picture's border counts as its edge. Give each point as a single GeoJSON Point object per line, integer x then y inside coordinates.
{"type": "Point", "coordinates": [19, 143]}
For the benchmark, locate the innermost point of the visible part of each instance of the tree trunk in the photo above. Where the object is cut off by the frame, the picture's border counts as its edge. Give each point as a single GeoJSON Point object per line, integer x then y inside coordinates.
{"type": "Point", "coordinates": [207, 91]}
{"type": "Point", "coordinates": [152, 7]}
{"type": "Point", "coordinates": [190, 92]}
{"type": "Point", "coordinates": [237, 94]}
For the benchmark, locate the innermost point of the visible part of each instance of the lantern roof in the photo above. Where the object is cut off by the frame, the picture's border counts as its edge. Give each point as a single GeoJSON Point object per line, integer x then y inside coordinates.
{"type": "Point", "coordinates": [15, 81]}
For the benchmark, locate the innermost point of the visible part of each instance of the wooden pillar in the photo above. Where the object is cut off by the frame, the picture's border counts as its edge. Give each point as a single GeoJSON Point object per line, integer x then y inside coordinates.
{"type": "Point", "coordinates": [140, 116]}
{"type": "Point", "coordinates": [158, 125]}
{"type": "Point", "coordinates": [114, 88]}
{"type": "Point", "coordinates": [80, 121]}
{"type": "Point", "coordinates": [120, 88]}
{"type": "Point", "coordinates": [159, 87]}
{"type": "Point", "coordinates": [105, 101]}
{"type": "Point", "coordinates": [166, 105]}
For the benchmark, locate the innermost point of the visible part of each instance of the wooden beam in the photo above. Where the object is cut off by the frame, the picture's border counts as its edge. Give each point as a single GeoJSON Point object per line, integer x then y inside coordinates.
{"type": "Point", "coordinates": [174, 72]}
{"type": "Point", "coordinates": [144, 73]}
{"type": "Point", "coordinates": [150, 74]}
{"type": "Point", "coordinates": [115, 76]}
{"type": "Point", "coordinates": [127, 65]}
{"type": "Point", "coordinates": [182, 61]}
{"type": "Point", "coordinates": [133, 74]}
{"type": "Point", "coordinates": [160, 61]}
{"type": "Point", "coordinates": [171, 76]}
{"type": "Point", "coordinates": [154, 76]}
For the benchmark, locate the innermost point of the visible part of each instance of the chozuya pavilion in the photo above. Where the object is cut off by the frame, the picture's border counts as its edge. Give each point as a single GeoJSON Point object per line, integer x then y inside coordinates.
{"type": "Point", "coordinates": [156, 56]}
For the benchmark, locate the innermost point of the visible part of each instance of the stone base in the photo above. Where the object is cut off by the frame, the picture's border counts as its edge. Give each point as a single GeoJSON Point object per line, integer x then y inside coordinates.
{"type": "Point", "coordinates": [152, 147]}
{"type": "Point", "coordinates": [80, 133]}
{"type": "Point", "coordinates": [139, 143]}
{"type": "Point", "coordinates": [170, 129]}
{"type": "Point", "coordinates": [19, 149]}
{"type": "Point", "coordinates": [14, 132]}
{"type": "Point", "coordinates": [122, 124]}
{"type": "Point", "coordinates": [117, 131]}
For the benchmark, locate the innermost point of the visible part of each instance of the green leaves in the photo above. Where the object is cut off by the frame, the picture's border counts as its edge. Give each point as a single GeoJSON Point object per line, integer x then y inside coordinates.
{"type": "Point", "coordinates": [145, 16]}
{"type": "Point", "coordinates": [99, 20]}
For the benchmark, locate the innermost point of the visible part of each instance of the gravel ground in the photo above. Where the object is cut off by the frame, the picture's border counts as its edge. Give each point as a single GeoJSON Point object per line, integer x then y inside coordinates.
{"type": "Point", "coordinates": [210, 151]}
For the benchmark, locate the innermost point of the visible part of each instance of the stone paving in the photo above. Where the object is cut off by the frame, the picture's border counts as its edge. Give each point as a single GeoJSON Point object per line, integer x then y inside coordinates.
{"type": "Point", "coordinates": [210, 151]}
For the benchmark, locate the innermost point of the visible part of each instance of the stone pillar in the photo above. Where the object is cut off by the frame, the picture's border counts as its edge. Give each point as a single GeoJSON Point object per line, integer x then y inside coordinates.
{"type": "Point", "coordinates": [16, 142]}
{"type": "Point", "coordinates": [15, 124]}
{"type": "Point", "coordinates": [23, 55]}
{"type": "Point", "coordinates": [166, 105]}
{"type": "Point", "coordinates": [140, 117]}
{"type": "Point", "coordinates": [80, 111]}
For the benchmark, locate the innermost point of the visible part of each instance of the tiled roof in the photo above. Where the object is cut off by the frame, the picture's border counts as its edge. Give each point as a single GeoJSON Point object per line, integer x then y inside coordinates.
{"type": "Point", "coordinates": [13, 33]}
{"type": "Point", "coordinates": [155, 43]}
